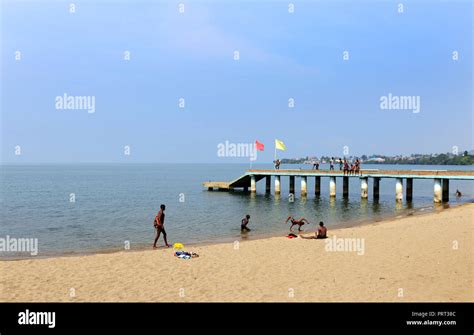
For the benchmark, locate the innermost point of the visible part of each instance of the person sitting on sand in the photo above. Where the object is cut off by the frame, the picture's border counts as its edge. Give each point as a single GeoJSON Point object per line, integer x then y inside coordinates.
{"type": "Point", "coordinates": [159, 224]}
{"type": "Point", "coordinates": [299, 222]}
{"type": "Point", "coordinates": [458, 193]}
{"type": "Point", "coordinates": [245, 222]}
{"type": "Point", "coordinates": [320, 234]}
{"type": "Point", "coordinates": [322, 231]}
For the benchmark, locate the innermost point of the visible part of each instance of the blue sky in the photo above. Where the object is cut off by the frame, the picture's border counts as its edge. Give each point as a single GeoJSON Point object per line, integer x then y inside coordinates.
{"type": "Point", "coordinates": [190, 55]}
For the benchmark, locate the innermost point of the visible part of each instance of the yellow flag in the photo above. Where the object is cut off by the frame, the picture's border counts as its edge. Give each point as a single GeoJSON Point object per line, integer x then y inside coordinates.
{"type": "Point", "coordinates": [279, 145]}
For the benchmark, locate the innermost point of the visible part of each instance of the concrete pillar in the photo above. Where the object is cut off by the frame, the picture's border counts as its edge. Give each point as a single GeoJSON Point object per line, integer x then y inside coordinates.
{"type": "Point", "coordinates": [277, 184]}
{"type": "Point", "coordinates": [345, 187]}
{"type": "Point", "coordinates": [303, 186]}
{"type": "Point", "coordinates": [445, 190]}
{"type": "Point", "coordinates": [332, 186]}
{"type": "Point", "coordinates": [364, 188]}
{"type": "Point", "coordinates": [292, 184]}
{"type": "Point", "coordinates": [409, 191]}
{"type": "Point", "coordinates": [268, 184]}
{"type": "Point", "coordinates": [399, 189]}
{"type": "Point", "coordinates": [376, 187]}
{"type": "Point", "coordinates": [253, 184]}
{"type": "Point", "coordinates": [438, 191]}
{"type": "Point", "coordinates": [317, 186]}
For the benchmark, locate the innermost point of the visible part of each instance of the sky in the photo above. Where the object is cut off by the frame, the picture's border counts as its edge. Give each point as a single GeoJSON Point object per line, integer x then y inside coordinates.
{"type": "Point", "coordinates": [336, 59]}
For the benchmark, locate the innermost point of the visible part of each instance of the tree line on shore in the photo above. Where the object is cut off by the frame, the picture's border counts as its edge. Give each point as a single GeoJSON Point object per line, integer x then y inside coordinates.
{"type": "Point", "coordinates": [466, 158]}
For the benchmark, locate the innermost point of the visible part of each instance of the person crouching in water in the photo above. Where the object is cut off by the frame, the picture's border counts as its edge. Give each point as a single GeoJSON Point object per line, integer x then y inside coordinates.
{"type": "Point", "coordinates": [244, 223]}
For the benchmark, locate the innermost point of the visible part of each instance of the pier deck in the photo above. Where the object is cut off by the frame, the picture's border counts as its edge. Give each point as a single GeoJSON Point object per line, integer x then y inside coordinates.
{"type": "Point", "coordinates": [440, 177]}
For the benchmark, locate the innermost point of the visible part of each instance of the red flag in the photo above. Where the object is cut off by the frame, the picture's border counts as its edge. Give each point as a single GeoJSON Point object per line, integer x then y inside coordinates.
{"type": "Point", "coordinates": [259, 146]}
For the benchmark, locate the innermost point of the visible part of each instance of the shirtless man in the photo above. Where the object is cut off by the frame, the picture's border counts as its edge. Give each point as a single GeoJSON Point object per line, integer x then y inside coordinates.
{"type": "Point", "coordinates": [159, 224]}
{"type": "Point", "coordinates": [245, 222]}
{"type": "Point", "coordinates": [320, 234]}
{"type": "Point", "coordinates": [299, 222]}
{"type": "Point", "coordinates": [322, 231]}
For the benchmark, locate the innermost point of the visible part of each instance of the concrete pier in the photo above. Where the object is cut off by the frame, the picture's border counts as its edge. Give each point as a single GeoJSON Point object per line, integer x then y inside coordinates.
{"type": "Point", "coordinates": [268, 184]}
{"type": "Point", "coordinates": [303, 186]}
{"type": "Point", "coordinates": [317, 186]}
{"type": "Point", "coordinates": [332, 186]}
{"type": "Point", "coordinates": [252, 177]}
{"type": "Point", "coordinates": [438, 191]}
{"type": "Point", "coordinates": [445, 190]}
{"type": "Point", "coordinates": [376, 188]}
{"type": "Point", "coordinates": [364, 188]}
{"type": "Point", "coordinates": [409, 191]}
{"type": "Point", "coordinates": [345, 187]}
{"type": "Point", "coordinates": [253, 184]}
{"type": "Point", "coordinates": [277, 184]}
{"type": "Point", "coordinates": [399, 189]}
{"type": "Point", "coordinates": [292, 184]}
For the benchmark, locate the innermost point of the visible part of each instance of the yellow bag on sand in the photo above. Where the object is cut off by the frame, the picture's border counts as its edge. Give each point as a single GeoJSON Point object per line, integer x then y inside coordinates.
{"type": "Point", "coordinates": [178, 246]}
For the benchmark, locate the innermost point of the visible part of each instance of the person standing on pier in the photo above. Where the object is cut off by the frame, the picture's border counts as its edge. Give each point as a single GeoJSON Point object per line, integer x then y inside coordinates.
{"type": "Point", "coordinates": [159, 224]}
{"type": "Point", "coordinates": [331, 164]}
{"type": "Point", "coordinates": [277, 164]}
{"type": "Point", "coordinates": [340, 164]}
{"type": "Point", "coordinates": [346, 167]}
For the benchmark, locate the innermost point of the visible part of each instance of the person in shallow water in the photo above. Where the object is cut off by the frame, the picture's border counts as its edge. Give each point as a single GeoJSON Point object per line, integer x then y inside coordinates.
{"type": "Point", "coordinates": [245, 222]}
{"type": "Point", "coordinates": [299, 222]}
{"type": "Point", "coordinates": [159, 224]}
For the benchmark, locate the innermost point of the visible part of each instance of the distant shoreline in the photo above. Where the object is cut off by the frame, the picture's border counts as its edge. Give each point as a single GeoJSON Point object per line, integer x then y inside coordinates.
{"type": "Point", "coordinates": [283, 161]}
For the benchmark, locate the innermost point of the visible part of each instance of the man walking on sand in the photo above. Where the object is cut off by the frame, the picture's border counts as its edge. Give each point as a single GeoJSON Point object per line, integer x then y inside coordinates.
{"type": "Point", "coordinates": [159, 224]}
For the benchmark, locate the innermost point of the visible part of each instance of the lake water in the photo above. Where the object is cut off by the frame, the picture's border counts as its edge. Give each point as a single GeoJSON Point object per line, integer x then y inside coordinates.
{"type": "Point", "coordinates": [115, 203]}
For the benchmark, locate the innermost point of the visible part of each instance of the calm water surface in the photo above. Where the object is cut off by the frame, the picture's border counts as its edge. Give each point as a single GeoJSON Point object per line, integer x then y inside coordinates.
{"type": "Point", "coordinates": [115, 203]}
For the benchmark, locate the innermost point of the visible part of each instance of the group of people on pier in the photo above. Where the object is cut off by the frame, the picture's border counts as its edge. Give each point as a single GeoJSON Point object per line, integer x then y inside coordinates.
{"type": "Point", "coordinates": [352, 168]}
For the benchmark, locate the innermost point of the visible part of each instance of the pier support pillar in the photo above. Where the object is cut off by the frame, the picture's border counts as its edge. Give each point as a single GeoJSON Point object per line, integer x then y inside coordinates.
{"type": "Point", "coordinates": [303, 186]}
{"type": "Point", "coordinates": [253, 184]}
{"type": "Point", "coordinates": [292, 184]}
{"type": "Point", "coordinates": [445, 190]}
{"type": "Point", "coordinates": [438, 191]}
{"type": "Point", "coordinates": [345, 187]}
{"type": "Point", "coordinates": [332, 186]}
{"type": "Point", "coordinates": [268, 184]}
{"type": "Point", "coordinates": [277, 184]}
{"type": "Point", "coordinates": [376, 187]}
{"type": "Point", "coordinates": [246, 188]}
{"type": "Point", "coordinates": [409, 191]}
{"type": "Point", "coordinates": [364, 188]}
{"type": "Point", "coordinates": [399, 189]}
{"type": "Point", "coordinates": [317, 186]}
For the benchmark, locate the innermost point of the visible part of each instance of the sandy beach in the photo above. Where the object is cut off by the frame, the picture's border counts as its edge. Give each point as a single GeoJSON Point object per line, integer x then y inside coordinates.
{"type": "Point", "coordinates": [426, 257]}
